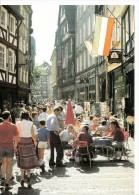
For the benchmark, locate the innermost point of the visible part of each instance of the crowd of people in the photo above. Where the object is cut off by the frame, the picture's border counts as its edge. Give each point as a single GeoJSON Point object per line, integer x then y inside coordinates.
{"type": "Point", "coordinates": [27, 131]}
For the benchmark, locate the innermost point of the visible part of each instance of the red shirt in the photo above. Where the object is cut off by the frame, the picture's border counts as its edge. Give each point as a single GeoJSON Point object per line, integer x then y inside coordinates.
{"type": "Point", "coordinates": [7, 133]}
{"type": "Point", "coordinates": [118, 135]}
{"type": "Point", "coordinates": [85, 137]}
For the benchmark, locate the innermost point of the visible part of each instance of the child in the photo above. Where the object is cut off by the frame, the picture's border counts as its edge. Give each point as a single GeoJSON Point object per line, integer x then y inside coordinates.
{"type": "Point", "coordinates": [66, 137]}
{"type": "Point", "coordinates": [43, 143]}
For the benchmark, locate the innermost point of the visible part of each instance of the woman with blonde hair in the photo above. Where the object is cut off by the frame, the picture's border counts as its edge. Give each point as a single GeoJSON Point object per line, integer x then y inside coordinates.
{"type": "Point", "coordinates": [95, 125]}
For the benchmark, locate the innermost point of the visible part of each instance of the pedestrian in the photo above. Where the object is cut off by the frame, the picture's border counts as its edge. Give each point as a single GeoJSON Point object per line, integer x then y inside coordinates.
{"type": "Point", "coordinates": [61, 118]}
{"type": "Point", "coordinates": [55, 142]}
{"type": "Point", "coordinates": [78, 110]}
{"type": "Point", "coordinates": [49, 108]}
{"type": "Point", "coordinates": [43, 115]}
{"type": "Point", "coordinates": [26, 153]}
{"type": "Point", "coordinates": [35, 119]}
{"type": "Point", "coordinates": [43, 143]}
{"type": "Point", "coordinates": [8, 134]}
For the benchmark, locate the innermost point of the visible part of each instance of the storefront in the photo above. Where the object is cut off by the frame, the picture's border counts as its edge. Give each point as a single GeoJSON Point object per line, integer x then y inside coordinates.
{"type": "Point", "coordinates": [7, 98]}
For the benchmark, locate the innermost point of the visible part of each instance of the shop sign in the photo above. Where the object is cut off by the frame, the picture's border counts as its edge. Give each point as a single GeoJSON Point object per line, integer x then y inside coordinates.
{"type": "Point", "coordinates": [115, 56]}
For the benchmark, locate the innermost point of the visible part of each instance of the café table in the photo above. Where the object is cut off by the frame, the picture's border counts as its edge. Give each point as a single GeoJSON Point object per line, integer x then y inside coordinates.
{"type": "Point", "coordinates": [102, 142]}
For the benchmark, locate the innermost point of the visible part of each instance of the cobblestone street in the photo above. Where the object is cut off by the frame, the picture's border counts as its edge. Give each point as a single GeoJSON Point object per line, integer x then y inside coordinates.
{"type": "Point", "coordinates": [111, 178]}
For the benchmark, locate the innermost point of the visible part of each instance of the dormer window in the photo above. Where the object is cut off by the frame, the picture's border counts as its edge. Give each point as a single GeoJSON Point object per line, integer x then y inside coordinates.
{"type": "Point", "coordinates": [12, 25]}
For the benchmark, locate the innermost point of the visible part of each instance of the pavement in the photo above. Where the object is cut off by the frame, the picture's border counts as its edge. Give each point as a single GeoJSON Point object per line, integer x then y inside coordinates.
{"type": "Point", "coordinates": [104, 177]}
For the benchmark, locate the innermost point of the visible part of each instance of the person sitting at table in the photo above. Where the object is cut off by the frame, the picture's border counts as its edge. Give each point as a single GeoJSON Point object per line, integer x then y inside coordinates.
{"type": "Point", "coordinates": [102, 129]}
{"type": "Point", "coordinates": [84, 136]}
{"type": "Point", "coordinates": [66, 136]}
{"type": "Point", "coordinates": [116, 135]}
{"type": "Point", "coordinates": [77, 126]}
{"type": "Point", "coordinates": [95, 125]}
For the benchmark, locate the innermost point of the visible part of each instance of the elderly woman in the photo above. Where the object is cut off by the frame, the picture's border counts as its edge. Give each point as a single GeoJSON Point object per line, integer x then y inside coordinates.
{"type": "Point", "coordinates": [26, 154]}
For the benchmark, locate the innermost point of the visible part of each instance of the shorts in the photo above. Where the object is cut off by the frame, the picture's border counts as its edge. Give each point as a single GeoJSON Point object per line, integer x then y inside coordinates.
{"type": "Point", "coordinates": [42, 144]}
{"type": "Point", "coordinates": [4, 152]}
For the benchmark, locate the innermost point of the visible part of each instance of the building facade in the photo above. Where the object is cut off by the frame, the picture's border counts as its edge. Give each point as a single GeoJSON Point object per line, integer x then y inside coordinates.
{"type": "Point", "coordinates": [10, 21]}
{"type": "Point", "coordinates": [121, 74]}
{"type": "Point", "coordinates": [85, 63]}
{"type": "Point", "coordinates": [54, 75]}
{"type": "Point", "coordinates": [65, 51]}
{"type": "Point", "coordinates": [41, 87]}
{"type": "Point", "coordinates": [15, 55]}
{"type": "Point", "coordinates": [24, 53]}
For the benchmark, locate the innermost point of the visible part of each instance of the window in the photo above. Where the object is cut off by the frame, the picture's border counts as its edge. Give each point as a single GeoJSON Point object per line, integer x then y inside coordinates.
{"type": "Point", "coordinates": [81, 62]}
{"type": "Point", "coordinates": [89, 26]}
{"type": "Point", "coordinates": [11, 60]}
{"type": "Point", "coordinates": [77, 15]}
{"type": "Point", "coordinates": [80, 36]}
{"type": "Point", "coordinates": [77, 39]}
{"type": "Point", "coordinates": [70, 46]}
{"type": "Point", "coordinates": [84, 31]}
{"type": "Point", "coordinates": [93, 21]}
{"type": "Point", "coordinates": [3, 17]}
{"type": "Point", "coordinates": [84, 8]}
{"type": "Point", "coordinates": [128, 29]}
{"type": "Point", "coordinates": [24, 75]}
{"type": "Point", "coordinates": [79, 11]}
{"type": "Point", "coordinates": [21, 74]}
{"type": "Point", "coordinates": [65, 28]}
{"type": "Point", "coordinates": [20, 43]}
{"type": "Point", "coordinates": [23, 46]}
{"type": "Point", "coordinates": [132, 19]}
{"type": "Point", "coordinates": [92, 81]}
{"type": "Point", "coordinates": [27, 77]}
{"type": "Point", "coordinates": [84, 59]}
{"type": "Point", "coordinates": [12, 25]}
{"type": "Point", "coordinates": [88, 59]}
{"type": "Point", "coordinates": [77, 64]}
{"type": "Point", "coordinates": [2, 56]}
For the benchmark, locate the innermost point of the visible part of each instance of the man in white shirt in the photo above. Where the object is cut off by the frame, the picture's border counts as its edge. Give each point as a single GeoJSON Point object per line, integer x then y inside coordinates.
{"type": "Point", "coordinates": [43, 115]}
{"type": "Point", "coordinates": [55, 142]}
{"type": "Point", "coordinates": [78, 110]}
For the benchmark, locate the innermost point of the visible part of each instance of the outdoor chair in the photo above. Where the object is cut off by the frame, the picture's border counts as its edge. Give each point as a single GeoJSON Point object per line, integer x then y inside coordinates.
{"type": "Point", "coordinates": [126, 136]}
{"type": "Point", "coordinates": [66, 148]}
{"type": "Point", "coordinates": [83, 151]}
{"type": "Point", "coordinates": [124, 147]}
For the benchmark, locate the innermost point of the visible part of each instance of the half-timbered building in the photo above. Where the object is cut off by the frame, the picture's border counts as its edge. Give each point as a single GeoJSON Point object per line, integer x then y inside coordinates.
{"type": "Point", "coordinates": [10, 21]}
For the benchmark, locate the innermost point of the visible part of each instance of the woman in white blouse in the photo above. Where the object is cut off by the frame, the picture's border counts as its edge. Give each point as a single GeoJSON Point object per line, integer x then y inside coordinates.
{"type": "Point", "coordinates": [26, 153]}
